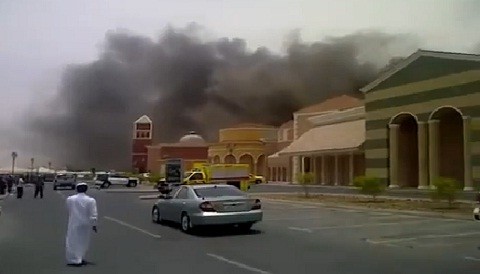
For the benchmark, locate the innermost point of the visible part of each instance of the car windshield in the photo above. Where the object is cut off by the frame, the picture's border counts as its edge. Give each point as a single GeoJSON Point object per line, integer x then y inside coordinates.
{"type": "Point", "coordinates": [216, 191]}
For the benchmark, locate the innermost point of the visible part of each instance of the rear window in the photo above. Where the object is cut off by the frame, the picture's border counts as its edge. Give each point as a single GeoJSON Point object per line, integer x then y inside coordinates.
{"type": "Point", "coordinates": [218, 191]}
{"type": "Point", "coordinates": [102, 177]}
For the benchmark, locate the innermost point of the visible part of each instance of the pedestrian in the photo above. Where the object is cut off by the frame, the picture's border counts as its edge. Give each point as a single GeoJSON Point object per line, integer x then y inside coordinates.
{"type": "Point", "coordinates": [82, 219]}
{"type": "Point", "coordinates": [3, 184]}
{"type": "Point", "coordinates": [39, 187]}
{"type": "Point", "coordinates": [9, 184]}
{"type": "Point", "coordinates": [20, 188]}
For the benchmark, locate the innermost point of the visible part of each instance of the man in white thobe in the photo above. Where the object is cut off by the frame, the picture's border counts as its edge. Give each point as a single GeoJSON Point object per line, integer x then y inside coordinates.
{"type": "Point", "coordinates": [82, 213]}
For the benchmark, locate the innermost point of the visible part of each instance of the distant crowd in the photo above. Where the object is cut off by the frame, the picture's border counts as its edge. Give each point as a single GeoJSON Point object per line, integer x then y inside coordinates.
{"type": "Point", "coordinates": [10, 184]}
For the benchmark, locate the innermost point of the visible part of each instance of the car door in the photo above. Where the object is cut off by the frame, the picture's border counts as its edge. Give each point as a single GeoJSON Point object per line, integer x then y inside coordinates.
{"type": "Point", "coordinates": [167, 206]}
{"type": "Point", "coordinates": [178, 203]}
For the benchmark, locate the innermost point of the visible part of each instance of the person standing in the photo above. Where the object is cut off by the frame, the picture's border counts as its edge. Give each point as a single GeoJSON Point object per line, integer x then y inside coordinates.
{"type": "Point", "coordinates": [20, 188]}
{"type": "Point", "coordinates": [82, 220]}
{"type": "Point", "coordinates": [10, 184]}
{"type": "Point", "coordinates": [39, 187]}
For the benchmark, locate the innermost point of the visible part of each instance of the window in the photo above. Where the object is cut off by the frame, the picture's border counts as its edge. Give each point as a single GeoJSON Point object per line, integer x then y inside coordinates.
{"type": "Point", "coordinates": [218, 191]}
{"type": "Point", "coordinates": [182, 193]}
{"type": "Point", "coordinates": [148, 135]}
{"type": "Point", "coordinates": [196, 176]}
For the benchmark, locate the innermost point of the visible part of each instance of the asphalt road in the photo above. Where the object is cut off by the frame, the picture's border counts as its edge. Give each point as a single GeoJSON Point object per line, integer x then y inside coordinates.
{"type": "Point", "coordinates": [293, 238]}
{"type": "Point", "coordinates": [403, 193]}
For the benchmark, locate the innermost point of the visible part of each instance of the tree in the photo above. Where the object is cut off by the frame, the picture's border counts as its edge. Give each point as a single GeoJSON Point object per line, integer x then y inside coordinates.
{"type": "Point", "coordinates": [305, 179]}
{"type": "Point", "coordinates": [445, 189]}
{"type": "Point", "coordinates": [14, 156]}
{"type": "Point", "coordinates": [370, 185]}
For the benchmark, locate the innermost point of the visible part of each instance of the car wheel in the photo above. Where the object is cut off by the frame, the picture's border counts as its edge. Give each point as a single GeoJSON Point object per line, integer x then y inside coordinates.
{"type": "Point", "coordinates": [134, 184]}
{"type": "Point", "coordinates": [185, 223]}
{"type": "Point", "coordinates": [156, 215]}
{"type": "Point", "coordinates": [258, 182]}
{"type": "Point", "coordinates": [106, 185]}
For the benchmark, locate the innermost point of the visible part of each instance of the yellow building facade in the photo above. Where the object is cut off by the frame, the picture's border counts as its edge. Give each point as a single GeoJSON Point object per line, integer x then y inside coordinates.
{"type": "Point", "coordinates": [245, 144]}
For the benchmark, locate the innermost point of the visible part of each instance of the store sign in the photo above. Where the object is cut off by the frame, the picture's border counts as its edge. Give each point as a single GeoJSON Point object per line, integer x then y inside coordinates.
{"type": "Point", "coordinates": [174, 171]}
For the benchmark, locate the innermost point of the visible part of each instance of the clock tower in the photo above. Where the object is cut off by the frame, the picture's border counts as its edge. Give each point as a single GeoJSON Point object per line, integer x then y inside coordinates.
{"type": "Point", "coordinates": [142, 137]}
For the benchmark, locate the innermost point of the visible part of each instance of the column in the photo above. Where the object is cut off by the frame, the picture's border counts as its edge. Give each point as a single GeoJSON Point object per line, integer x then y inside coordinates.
{"type": "Point", "coordinates": [323, 170]}
{"type": "Point", "coordinates": [433, 147]}
{"type": "Point", "coordinates": [467, 161]}
{"type": "Point", "coordinates": [422, 156]}
{"type": "Point", "coordinates": [255, 168]}
{"type": "Point", "coordinates": [393, 157]}
{"type": "Point", "coordinates": [350, 170]}
{"type": "Point", "coordinates": [336, 170]}
{"type": "Point", "coordinates": [295, 168]}
{"type": "Point", "coordinates": [302, 165]}
{"type": "Point", "coordinates": [313, 169]}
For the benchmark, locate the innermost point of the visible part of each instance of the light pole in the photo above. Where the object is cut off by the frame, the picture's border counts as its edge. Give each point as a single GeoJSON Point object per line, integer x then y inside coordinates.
{"type": "Point", "coordinates": [32, 160]}
{"type": "Point", "coordinates": [49, 165]}
{"type": "Point", "coordinates": [14, 156]}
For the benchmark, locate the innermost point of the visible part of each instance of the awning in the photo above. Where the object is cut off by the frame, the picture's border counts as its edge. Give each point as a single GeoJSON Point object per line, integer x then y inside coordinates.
{"type": "Point", "coordinates": [341, 137]}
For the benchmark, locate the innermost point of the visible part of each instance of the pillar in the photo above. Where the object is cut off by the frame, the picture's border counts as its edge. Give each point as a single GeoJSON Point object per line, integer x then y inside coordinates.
{"type": "Point", "coordinates": [467, 161]}
{"type": "Point", "coordinates": [433, 147]}
{"type": "Point", "coordinates": [393, 156]}
{"type": "Point", "coordinates": [255, 171]}
{"type": "Point", "coordinates": [336, 170]}
{"type": "Point", "coordinates": [295, 168]}
{"type": "Point", "coordinates": [323, 170]}
{"type": "Point", "coordinates": [350, 169]}
{"type": "Point", "coordinates": [422, 156]}
{"type": "Point", "coordinates": [313, 169]}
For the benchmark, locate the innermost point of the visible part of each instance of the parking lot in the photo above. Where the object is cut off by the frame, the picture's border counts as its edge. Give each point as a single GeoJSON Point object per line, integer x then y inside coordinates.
{"type": "Point", "coordinates": [292, 238]}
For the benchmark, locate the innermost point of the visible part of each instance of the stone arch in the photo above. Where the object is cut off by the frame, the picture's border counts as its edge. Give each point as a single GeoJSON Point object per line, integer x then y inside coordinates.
{"type": "Point", "coordinates": [449, 144]}
{"type": "Point", "coordinates": [261, 165]}
{"type": "Point", "coordinates": [247, 159]}
{"type": "Point", "coordinates": [230, 159]}
{"type": "Point", "coordinates": [407, 148]}
{"type": "Point", "coordinates": [216, 159]}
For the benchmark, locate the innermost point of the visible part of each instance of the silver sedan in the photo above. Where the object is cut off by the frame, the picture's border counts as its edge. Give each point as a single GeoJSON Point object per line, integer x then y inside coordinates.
{"type": "Point", "coordinates": [202, 205]}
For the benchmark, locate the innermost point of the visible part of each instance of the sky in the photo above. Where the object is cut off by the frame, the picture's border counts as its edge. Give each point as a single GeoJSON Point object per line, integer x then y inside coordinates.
{"type": "Point", "coordinates": [39, 38]}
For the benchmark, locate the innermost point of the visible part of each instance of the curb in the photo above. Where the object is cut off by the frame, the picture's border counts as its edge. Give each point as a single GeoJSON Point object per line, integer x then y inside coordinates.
{"type": "Point", "coordinates": [148, 197]}
{"type": "Point", "coordinates": [406, 212]}
{"type": "Point", "coordinates": [392, 198]}
{"type": "Point", "coordinates": [131, 191]}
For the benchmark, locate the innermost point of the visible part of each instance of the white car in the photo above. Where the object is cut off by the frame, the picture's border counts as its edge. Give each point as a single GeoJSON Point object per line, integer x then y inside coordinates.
{"type": "Point", "coordinates": [107, 180]}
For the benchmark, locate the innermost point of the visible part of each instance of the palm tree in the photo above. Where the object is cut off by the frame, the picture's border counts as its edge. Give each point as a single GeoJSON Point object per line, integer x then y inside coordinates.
{"type": "Point", "coordinates": [14, 156]}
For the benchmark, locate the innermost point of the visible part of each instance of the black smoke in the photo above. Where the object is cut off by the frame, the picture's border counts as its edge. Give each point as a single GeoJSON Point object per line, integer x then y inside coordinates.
{"type": "Point", "coordinates": [187, 83]}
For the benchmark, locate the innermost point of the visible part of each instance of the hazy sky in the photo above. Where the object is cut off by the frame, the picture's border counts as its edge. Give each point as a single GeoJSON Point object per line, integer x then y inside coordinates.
{"type": "Point", "coordinates": [39, 37]}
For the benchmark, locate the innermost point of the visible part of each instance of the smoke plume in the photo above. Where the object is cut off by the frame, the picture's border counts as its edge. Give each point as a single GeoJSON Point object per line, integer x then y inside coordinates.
{"type": "Point", "coordinates": [184, 82]}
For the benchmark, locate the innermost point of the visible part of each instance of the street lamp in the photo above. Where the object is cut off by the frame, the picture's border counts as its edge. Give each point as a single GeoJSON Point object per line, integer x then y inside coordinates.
{"type": "Point", "coordinates": [14, 156]}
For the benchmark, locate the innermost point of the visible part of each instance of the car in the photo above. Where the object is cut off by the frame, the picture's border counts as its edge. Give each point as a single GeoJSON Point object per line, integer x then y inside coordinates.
{"type": "Point", "coordinates": [64, 180]}
{"type": "Point", "coordinates": [194, 206]}
{"type": "Point", "coordinates": [107, 180]}
{"type": "Point", "coordinates": [256, 179]}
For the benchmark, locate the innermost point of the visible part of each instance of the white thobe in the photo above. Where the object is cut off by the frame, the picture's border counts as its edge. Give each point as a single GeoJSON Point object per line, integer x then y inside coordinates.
{"type": "Point", "coordinates": [82, 211]}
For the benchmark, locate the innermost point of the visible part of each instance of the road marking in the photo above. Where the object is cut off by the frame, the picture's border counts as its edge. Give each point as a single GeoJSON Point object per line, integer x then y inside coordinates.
{"type": "Point", "coordinates": [433, 236]}
{"type": "Point", "coordinates": [237, 264]}
{"type": "Point", "coordinates": [394, 217]}
{"type": "Point", "coordinates": [294, 219]}
{"type": "Point", "coordinates": [133, 227]}
{"type": "Point", "coordinates": [300, 229]}
{"type": "Point", "coordinates": [61, 194]}
{"type": "Point", "coordinates": [472, 259]}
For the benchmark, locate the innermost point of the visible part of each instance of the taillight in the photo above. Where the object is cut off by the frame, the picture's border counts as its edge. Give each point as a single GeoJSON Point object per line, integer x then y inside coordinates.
{"type": "Point", "coordinates": [207, 206]}
{"type": "Point", "coordinates": [257, 204]}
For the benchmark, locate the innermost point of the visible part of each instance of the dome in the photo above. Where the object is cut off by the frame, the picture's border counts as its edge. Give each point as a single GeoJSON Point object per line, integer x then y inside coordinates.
{"type": "Point", "coordinates": [192, 139]}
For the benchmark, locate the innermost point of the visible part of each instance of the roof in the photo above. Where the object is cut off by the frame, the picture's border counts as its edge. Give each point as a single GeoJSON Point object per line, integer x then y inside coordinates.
{"type": "Point", "coordinates": [251, 125]}
{"type": "Point", "coordinates": [192, 139]}
{"type": "Point", "coordinates": [178, 144]}
{"type": "Point", "coordinates": [143, 120]}
{"type": "Point", "coordinates": [345, 136]}
{"type": "Point", "coordinates": [413, 57]}
{"type": "Point", "coordinates": [335, 103]}
{"type": "Point", "coordinates": [288, 124]}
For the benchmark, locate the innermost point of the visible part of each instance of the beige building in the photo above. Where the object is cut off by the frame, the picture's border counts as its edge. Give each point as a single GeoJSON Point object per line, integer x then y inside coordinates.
{"type": "Point", "coordinates": [423, 121]}
{"type": "Point", "coordinates": [328, 141]}
{"type": "Point", "coordinates": [246, 144]}
{"type": "Point", "coordinates": [280, 167]}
